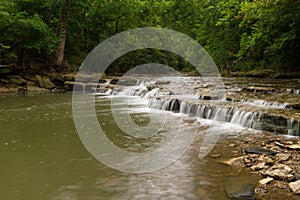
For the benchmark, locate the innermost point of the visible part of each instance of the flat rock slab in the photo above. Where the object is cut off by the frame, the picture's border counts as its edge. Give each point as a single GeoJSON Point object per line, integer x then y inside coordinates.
{"type": "Point", "coordinates": [241, 187]}
{"type": "Point", "coordinates": [258, 150]}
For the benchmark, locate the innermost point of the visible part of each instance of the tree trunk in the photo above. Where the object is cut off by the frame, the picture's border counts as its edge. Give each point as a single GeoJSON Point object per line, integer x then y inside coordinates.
{"type": "Point", "coordinates": [59, 60]}
{"type": "Point", "coordinates": [61, 48]}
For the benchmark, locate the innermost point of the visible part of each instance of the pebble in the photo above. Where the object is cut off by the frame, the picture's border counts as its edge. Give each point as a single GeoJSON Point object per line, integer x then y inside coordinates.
{"type": "Point", "coordinates": [216, 155]}
{"type": "Point", "coordinates": [265, 181]}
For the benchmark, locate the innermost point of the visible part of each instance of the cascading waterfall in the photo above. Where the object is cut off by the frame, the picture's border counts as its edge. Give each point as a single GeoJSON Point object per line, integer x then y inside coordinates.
{"type": "Point", "coordinates": [212, 112]}
{"type": "Point", "coordinates": [219, 110]}
{"type": "Point", "coordinates": [293, 127]}
{"type": "Point", "coordinates": [266, 103]}
{"type": "Point", "coordinates": [134, 91]}
{"type": "Point", "coordinates": [247, 119]}
{"type": "Point", "coordinates": [296, 91]}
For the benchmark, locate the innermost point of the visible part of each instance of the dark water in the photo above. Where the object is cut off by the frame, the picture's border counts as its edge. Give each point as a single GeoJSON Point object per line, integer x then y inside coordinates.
{"type": "Point", "coordinates": [42, 157]}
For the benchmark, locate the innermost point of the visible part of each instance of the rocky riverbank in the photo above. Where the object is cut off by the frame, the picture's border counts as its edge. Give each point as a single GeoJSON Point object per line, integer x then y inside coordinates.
{"type": "Point", "coordinates": [271, 162]}
{"type": "Point", "coordinates": [48, 82]}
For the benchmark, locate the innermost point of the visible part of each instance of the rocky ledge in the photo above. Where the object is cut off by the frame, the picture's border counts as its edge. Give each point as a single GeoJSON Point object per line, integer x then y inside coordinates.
{"type": "Point", "coordinates": [54, 83]}
{"type": "Point", "coordinates": [273, 162]}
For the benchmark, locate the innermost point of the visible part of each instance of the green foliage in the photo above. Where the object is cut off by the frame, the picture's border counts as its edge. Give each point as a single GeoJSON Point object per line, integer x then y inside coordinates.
{"type": "Point", "coordinates": [238, 34]}
{"type": "Point", "coordinates": [23, 35]}
{"type": "Point", "coordinates": [271, 36]}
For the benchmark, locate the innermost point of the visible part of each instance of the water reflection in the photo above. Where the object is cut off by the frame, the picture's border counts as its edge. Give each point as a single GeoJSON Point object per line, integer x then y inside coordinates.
{"type": "Point", "coordinates": [43, 158]}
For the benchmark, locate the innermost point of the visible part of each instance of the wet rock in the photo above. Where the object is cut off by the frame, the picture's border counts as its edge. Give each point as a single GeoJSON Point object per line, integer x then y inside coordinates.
{"type": "Point", "coordinates": [214, 155]}
{"type": "Point", "coordinates": [114, 81]}
{"type": "Point", "coordinates": [258, 150]}
{"type": "Point", "coordinates": [241, 187]}
{"type": "Point", "coordinates": [102, 81]}
{"type": "Point", "coordinates": [205, 97]}
{"type": "Point", "coordinates": [279, 171]}
{"type": "Point", "coordinates": [69, 85]}
{"type": "Point", "coordinates": [235, 162]}
{"type": "Point", "coordinates": [163, 82]}
{"type": "Point", "coordinates": [293, 106]}
{"type": "Point", "coordinates": [44, 82]}
{"type": "Point", "coordinates": [295, 186]}
{"type": "Point", "coordinates": [189, 120]}
{"type": "Point", "coordinates": [265, 181]}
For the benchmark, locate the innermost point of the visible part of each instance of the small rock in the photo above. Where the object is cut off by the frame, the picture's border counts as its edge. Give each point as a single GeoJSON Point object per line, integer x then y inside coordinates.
{"type": "Point", "coordinates": [248, 160]}
{"type": "Point", "coordinates": [189, 120]}
{"type": "Point", "coordinates": [232, 145]}
{"type": "Point", "coordinates": [259, 166]}
{"type": "Point", "coordinates": [214, 155]}
{"type": "Point", "coordinates": [282, 156]}
{"type": "Point", "coordinates": [295, 186]}
{"type": "Point", "coordinates": [235, 162]}
{"type": "Point", "coordinates": [265, 181]}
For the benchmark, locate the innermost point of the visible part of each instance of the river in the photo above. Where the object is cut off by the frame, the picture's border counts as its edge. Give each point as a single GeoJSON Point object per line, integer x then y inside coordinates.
{"type": "Point", "coordinates": [42, 156]}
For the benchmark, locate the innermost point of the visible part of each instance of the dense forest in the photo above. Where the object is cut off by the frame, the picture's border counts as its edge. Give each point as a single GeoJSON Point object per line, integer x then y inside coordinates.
{"type": "Point", "coordinates": [240, 35]}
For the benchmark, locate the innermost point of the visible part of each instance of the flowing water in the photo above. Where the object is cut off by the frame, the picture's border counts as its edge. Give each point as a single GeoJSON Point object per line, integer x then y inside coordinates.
{"type": "Point", "coordinates": [42, 156]}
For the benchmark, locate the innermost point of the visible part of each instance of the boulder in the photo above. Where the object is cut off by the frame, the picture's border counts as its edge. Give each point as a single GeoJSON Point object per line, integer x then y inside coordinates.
{"type": "Point", "coordinates": [44, 82]}
{"type": "Point", "coordinates": [295, 186]}
{"type": "Point", "coordinates": [241, 187]}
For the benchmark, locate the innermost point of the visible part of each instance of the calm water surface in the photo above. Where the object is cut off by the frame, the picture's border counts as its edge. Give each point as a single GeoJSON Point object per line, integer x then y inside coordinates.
{"type": "Point", "coordinates": [42, 157]}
